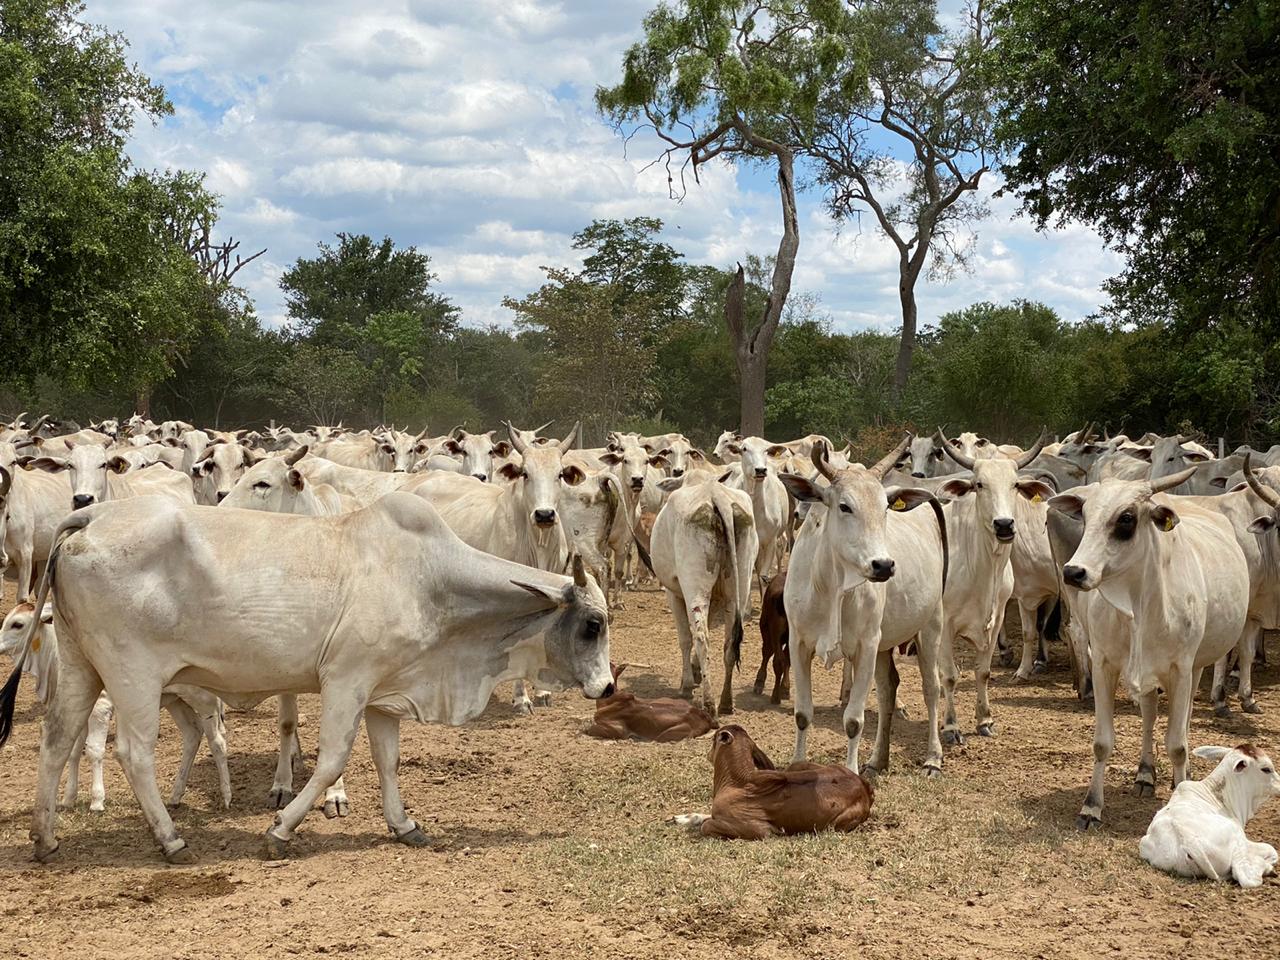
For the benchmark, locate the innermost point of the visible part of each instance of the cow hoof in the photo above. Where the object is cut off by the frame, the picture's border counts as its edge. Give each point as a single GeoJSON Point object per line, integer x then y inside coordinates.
{"type": "Point", "coordinates": [1006, 658]}
{"type": "Point", "coordinates": [42, 855]}
{"type": "Point", "coordinates": [173, 804]}
{"type": "Point", "coordinates": [1039, 667]}
{"type": "Point", "coordinates": [1222, 711]}
{"type": "Point", "coordinates": [726, 707]}
{"type": "Point", "coordinates": [952, 738]}
{"type": "Point", "coordinates": [336, 808]}
{"type": "Point", "coordinates": [522, 709]}
{"type": "Point", "coordinates": [180, 856]}
{"type": "Point", "coordinates": [279, 798]}
{"type": "Point", "coordinates": [1141, 789]}
{"type": "Point", "coordinates": [1018, 678]}
{"type": "Point", "coordinates": [901, 713]}
{"type": "Point", "coordinates": [1086, 822]}
{"type": "Point", "coordinates": [758, 688]}
{"type": "Point", "coordinates": [776, 699]}
{"type": "Point", "coordinates": [987, 730]}
{"type": "Point", "coordinates": [542, 700]}
{"type": "Point", "coordinates": [870, 773]}
{"type": "Point", "coordinates": [1251, 707]}
{"type": "Point", "coordinates": [932, 772]}
{"type": "Point", "coordinates": [97, 807]}
{"type": "Point", "coordinates": [414, 838]}
{"type": "Point", "coordinates": [277, 849]}
{"type": "Point", "coordinates": [697, 674]}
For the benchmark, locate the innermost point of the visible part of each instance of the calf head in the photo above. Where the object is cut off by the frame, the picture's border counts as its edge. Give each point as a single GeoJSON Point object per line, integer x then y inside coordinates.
{"type": "Point", "coordinates": [540, 475]}
{"type": "Point", "coordinates": [216, 471]}
{"type": "Point", "coordinates": [632, 462]}
{"type": "Point", "coordinates": [1121, 524]}
{"type": "Point", "coordinates": [756, 455]}
{"type": "Point", "coordinates": [577, 639]}
{"type": "Point", "coordinates": [994, 484]}
{"type": "Point", "coordinates": [734, 757]}
{"type": "Point", "coordinates": [399, 449]}
{"type": "Point", "coordinates": [857, 503]}
{"type": "Point", "coordinates": [1245, 777]}
{"type": "Point", "coordinates": [274, 484]}
{"type": "Point", "coordinates": [969, 445]}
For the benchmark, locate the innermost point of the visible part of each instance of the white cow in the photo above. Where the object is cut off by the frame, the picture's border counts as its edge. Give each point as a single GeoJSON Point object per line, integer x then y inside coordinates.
{"type": "Point", "coordinates": [1176, 573]}
{"type": "Point", "coordinates": [703, 549]}
{"type": "Point", "coordinates": [216, 471]}
{"type": "Point", "coordinates": [97, 477]}
{"type": "Point", "coordinates": [478, 452]}
{"type": "Point", "coordinates": [865, 575]}
{"type": "Point", "coordinates": [1200, 831]}
{"type": "Point", "coordinates": [757, 475]}
{"type": "Point", "coordinates": [385, 613]}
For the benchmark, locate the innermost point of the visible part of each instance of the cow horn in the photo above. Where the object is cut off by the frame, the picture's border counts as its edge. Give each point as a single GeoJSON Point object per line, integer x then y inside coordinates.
{"type": "Point", "coordinates": [953, 453]}
{"type": "Point", "coordinates": [538, 430]}
{"type": "Point", "coordinates": [1086, 434]}
{"type": "Point", "coordinates": [1269, 496]}
{"type": "Point", "coordinates": [38, 424]}
{"type": "Point", "coordinates": [579, 571]}
{"type": "Point", "coordinates": [460, 427]}
{"type": "Point", "coordinates": [421, 435]}
{"type": "Point", "coordinates": [516, 442]}
{"type": "Point", "coordinates": [887, 462]}
{"type": "Point", "coordinates": [1034, 452]}
{"type": "Point", "coordinates": [818, 454]}
{"type": "Point", "coordinates": [292, 458]}
{"type": "Point", "coordinates": [6, 481]}
{"type": "Point", "coordinates": [1173, 480]}
{"type": "Point", "coordinates": [567, 443]}
{"type": "Point", "coordinates": [209, 451]}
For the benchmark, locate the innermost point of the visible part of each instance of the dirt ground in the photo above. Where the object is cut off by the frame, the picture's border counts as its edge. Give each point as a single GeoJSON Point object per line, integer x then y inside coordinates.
{"type": "Point", "coordinates": [550, 844]}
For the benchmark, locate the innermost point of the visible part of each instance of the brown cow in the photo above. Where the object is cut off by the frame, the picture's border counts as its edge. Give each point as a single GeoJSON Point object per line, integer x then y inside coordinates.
{"type": "Point", "coordinates": [624, 716]}
{"type": "Point", "coordinates": [751, 799]}
{"type": "Point", "coordinates": [773, 641]}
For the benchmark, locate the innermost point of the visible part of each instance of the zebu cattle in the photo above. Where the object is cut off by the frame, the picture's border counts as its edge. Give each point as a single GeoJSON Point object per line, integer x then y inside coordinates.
{"type": "Point", "coordinates": [146, 455]}
{"type": "Point", "coordinates": [96, 477]}
{"type": "Point", "coordinates": [981, 523]}
{"type": "Point", "coordinates": [34, 504]}
{"type": "Point", "coordinates": [1036, 581]}
{"type": "Point", "coordinates": [363, 486]}
{"type": "Point", "coordinates": [703, 548]}
{"type": "Point", "coordinates": [1174, 571]}
{"type": "Point", "coordinates": [847, 597]}
{"type": "Point", "coordinates": [216, 471]}
{"type": "Point", "coordinates": [770, 507]}
{"type": "Point", "coordinates": [193, 443]}
{"type": "Point", "coordinates": [925, 457]}
{"type": "Point", "coordinates": [590, 510]}
{"type": "Point", "coordinates": [389, 616]}
{"type": "Point", "coordinates": [970, 446]}
{"type": "Point", "coordinates": [478, 452]}
{"type": "Point", "coordinates": [364, 453]}
{"type": "Point", "coordinates": [194, 712]}
{"type": "Point", "coordinates": [638, 473]}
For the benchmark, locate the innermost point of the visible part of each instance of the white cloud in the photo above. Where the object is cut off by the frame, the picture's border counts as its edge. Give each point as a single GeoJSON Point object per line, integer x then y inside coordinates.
{"type": "Point", "coordinates": [468, 130]}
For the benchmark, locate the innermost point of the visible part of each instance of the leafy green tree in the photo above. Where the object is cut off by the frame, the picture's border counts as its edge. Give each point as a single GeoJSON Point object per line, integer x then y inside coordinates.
{"type": "Point", "coordinates": [626, 255]}
{"type": "Point", "coordinates": [325, 383]}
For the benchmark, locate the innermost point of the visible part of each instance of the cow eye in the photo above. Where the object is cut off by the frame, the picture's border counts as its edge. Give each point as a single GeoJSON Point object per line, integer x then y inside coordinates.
{"type": "Point", "coordinates": [977, 485]}
{"type": "Point", "coordinates": [1267, 770]}
{"type": "Point", "coordinates": [591, 630]}
{"type": "Point", "coordinates": [844, 508]}
{"type": "Point", "coordinates": [262, 485]}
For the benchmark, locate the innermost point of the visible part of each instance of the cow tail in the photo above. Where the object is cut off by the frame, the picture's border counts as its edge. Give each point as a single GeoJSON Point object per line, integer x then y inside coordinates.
{"type": "Point", "coordinates": [9, 693]}
{"type": "Point", "coordinates": [1191, 844]}
{"type": "Point", "coordinates": [942, 532]}
{"type": "Point", "coordinates": [726, 519]}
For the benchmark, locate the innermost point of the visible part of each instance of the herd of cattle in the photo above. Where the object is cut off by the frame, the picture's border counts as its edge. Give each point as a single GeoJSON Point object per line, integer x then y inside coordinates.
{"type": "Point", "coordinates": [423, 571]}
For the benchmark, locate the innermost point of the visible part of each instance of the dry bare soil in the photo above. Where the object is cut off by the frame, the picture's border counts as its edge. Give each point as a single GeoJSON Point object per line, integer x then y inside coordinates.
{"type": "Point", "coordinates": [550, 844]}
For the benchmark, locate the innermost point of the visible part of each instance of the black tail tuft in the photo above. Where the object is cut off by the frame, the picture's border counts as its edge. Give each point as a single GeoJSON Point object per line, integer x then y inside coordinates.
{"type": "Point", "coordinates": [737, 641]}
{"type": "Point", "coordinates": [9, 700]}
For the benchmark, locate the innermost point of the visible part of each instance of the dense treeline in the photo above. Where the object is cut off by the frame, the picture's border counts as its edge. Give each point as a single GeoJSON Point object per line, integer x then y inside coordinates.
{"type": "Point", "coordinates": [1154, 125]}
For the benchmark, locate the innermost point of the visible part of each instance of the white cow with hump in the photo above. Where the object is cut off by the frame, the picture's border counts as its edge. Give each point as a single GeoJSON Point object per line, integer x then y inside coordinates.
{"type": "Point", "coordinates": [703, 548]}
{"type": "Point", "coordinates": [97, 476]}
{"type": "Point", "coordinates": [866, 574]}
{"type": "Point", "coordinates": [383, 612]}
{"type": "Point", "coordinates": [756, 474]}
{"type": "Point", "coordinates": [1174, 572]}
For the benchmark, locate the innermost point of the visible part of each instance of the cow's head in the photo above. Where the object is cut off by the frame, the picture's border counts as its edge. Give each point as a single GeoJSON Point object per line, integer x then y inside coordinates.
{"type": "Point", "coordinates": [857, 503]}
{"type": "Point", "coordinates": [478, 451]}
{"type": "Point", "coordinates": [274, 484]}
{"type": "Point", "coordinates": [87, 465]}
{"type": "Point", "coordinates": [631, 462]}
{"type": "Point", "coordinates": [1121, 522]}
{"type": "Point", "coordinates": [399, 449]}
{"type": "Point", "coordinates": [969, 445]}
{"type": "Point", "coordinates": [723, 448]}
{"type": "Point", "coordinates": [1269, 522]}
{"type": "Point", "coordinates": [924, 456]}
{"type": "Point", "coordinates": [216, 471]}
{"type": "Point", "coordinates": [994, 484]}
{"type": "Point", "coordinates": [1245, 778]}
{"type": "Point", "coordinates": [589, 509]}
{"type": "Point", "coordinates": [680, 455]}
{"type": "Point", "coordinates": [577, 640]}
{"type": "Point", "coordinates": [756, 456]}
{"type": "Point", "coordinates": [540, 474]}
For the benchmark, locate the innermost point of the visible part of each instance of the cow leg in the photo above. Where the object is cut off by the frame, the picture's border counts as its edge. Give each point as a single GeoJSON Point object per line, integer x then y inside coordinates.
{"type": "Point", "coordinates": [886, 702]}
{"type": "Point", "coordinates": [95, 745]}
{"type": "Point", "coordinates": [685, 634]}
{"type": "Point", "coordinates": [735, 830]}
{"type": "Point", "coordinates": [982, 677]}
{"type": "Point", "coordinates": [1218, 692]}
{"type": "Point", "coordinates": [1144, 784]}
{"type": "Point", "coordinates": [137, 729]}
{"type": "Point", "coordinates": [72, 786]}
{"type": "Point", "coordinates": [1105, 677]}
{"type": "Point", "coordinates": [781, 670]}
{"type": "Point", "coordinates": [1175, 737]}
{"type": "Point", "coordinates": [698, 627]}
{"type": "Point", "coordinates": [1248, 643]}
{"type": "Point", "coordinates": [215, 734]}
{"type": "Point", "coordinates": [384, 744]}
{"type": "Point", "coordinates": [732, 657]}
{"type": "Point", "coordinates": [1030, 641]}
{"type": "Point", "coordinates": [287, 726]}
{"type": "Point", "coordinates": [947, 663]}
{"type": "Point", "coordinates": [189, 726]}
{"type": "Point", "coordinates": [78, 689]}
{"type": "Point", "coordinates": [767, 651]}
{"type": "Point", "coordinates": [927, 659]}
{"type": "Point", "coordinates": [339, 723]}
{"type": "Point", "coordinates": [846, 682]}
{"type": "Point", "coordinates": [520, 701]}
{"type": "Point", "coordinates": [335, 800]}
{"type": "Point", "coordinates": [802, 667]}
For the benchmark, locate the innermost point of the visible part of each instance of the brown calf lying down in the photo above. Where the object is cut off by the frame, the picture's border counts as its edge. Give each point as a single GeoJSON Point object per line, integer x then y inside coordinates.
{"type": "Point", "coordinates": [625, 716]}
{"type": "Point", "coordinates": [751, 799]}
{"type": "Point", "coordinates": [773, 640]}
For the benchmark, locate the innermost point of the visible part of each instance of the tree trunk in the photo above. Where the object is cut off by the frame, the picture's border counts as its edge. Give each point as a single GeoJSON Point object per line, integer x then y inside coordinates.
{"type": "Point", "coordinates": [908, 274]}
{"type": "Point", "coordinates": [142, 402]}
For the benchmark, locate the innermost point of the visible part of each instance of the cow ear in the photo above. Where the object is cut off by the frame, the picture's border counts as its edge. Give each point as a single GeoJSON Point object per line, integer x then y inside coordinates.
{"type": "Point", "coordinates": [1211, 753]}
{"type": "Point", "coordinates": [761, 759]}
{"type": "Point", "coordinates": [295, 479]}
{"type": "Point", "coordinates": [1262, 525]}
{"type": "Point", "coordinates": [502, 449]}
{"type": "Point", "coordinates": [659, 461]}
{"type": "Point", "coordinates": [777, 450]}
{"type": "Point", "coordinates": [957, 488]}
{"type": "Point", "coordinates": [551, 597]}
{"type": "Point", "coordinates": [250, 458]}
{"type": "Point", "coordinates": [172, 442]}
{"type": "Point", "coordinates": [697, 454]}
{"type": "Point", "coordinates": [612, 459]}
{"type": "Point", "coordinates": [572, 475]}
{"type": "Point", "coordinates": [670, 484]}
{"type": "Point", "coordinates": [734, 448]}
{"type": "Point", "coordinates": [47, 464]}
{"type": "Point", "coordinates": [902, 499]}
{"type": "Point", "coordinates": [1219, 482]}
{"type": "Point", "coordinates": [509, 471]}
{"type": "Point", "coordinates": [1139, 453]}
{"type": "Point", "coordinates": [452, 446]}
{"type": "Point", "coordinates": [1037, 491]}
{"type": "Point", "coordinates": [1163, 517]}
{"type": "Point", "coordinates": [1069, 505]}
{"type": "Point", "coordinates": [803, 489]}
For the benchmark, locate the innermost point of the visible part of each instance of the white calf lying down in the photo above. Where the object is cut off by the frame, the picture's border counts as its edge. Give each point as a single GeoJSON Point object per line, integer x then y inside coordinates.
{"type": "Point", "coordinates": [1200, 831]}
{"type": "Point", "coordinates": [195, 712]}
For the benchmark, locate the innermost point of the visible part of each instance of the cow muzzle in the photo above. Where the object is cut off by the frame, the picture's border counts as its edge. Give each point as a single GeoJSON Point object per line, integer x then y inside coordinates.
{"type": "Point", "coordinates": [481, 477]}
{"type": "Point", "coordinates": [1077, 576]}
{"type": "Point", "coordinates": [81, 500]}
{"type": "Point", "coordinates": [637, 483]}
{"type": "Point", "coordinates": [677, 473]}
{"type": "Point", "coordinates": [544, 518]}
{"type": "Point", "coordinates": [761, 472]}
{"type": "Point", "coordinates": [918, 474]}
{"type": "Point", "coordinates": [1003, 527]}
{"type": "Point", "coordinates": [881, 570]}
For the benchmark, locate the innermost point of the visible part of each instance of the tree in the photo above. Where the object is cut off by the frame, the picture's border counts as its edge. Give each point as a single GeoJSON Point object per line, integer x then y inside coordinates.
{"type": "Point", "coordinates": [323, 382]}
{"type": "Point", "coordinates": [930, 91]}
{"type": "Point", "coordinates": [723, 79]}
{"type": "Point", "coordinates": [627, 255]}
{"type": "Point", "coordinates": [1157, 124]}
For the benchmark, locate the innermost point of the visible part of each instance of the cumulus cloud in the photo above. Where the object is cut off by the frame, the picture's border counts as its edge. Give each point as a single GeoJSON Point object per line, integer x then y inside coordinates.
{"type": "Point", "coordinates": [468, 130]}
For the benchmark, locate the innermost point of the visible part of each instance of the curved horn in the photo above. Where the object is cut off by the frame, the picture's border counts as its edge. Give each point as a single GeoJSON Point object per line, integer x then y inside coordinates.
{"type": "Point", "coordinates": [421, 435]}
{"type": "Point", "coordinates": [818, 454]}
{"type": "Point", "coordinates": [458, 429]}
{"type": "Point", "coordinates": [520, 446]}
{"type": "Point", "coordinates": [292, 458]}
{"type": "Point", "coordinates": [1034, 452]}
{"type": "Point", "coordinates": [579, 571]}
{"type": "Point", "coordinates": [1269, 496]}
{"type": "Point", "coordinates": [38, 424]}
{"type": "Point", "coordinates": [6, 481]}
{"type": "Point", "coordinates": [1173, 480]}
{"type": "Point", "coordinates": [886, 463]}
{"type": "Point", "coordinates": [567, 443]}
{"type": "Point", "coordinates": [538, 430]}
{"type": "Point", "coordinates": [953, 453]}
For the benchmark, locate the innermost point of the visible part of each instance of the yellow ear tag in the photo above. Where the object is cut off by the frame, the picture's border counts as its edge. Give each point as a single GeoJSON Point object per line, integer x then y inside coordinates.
{"type": "Point", "coordinates": [1037, 499]}
{"type": "Point", "coordinates": [899, 504]}
{"type": "Point", "coordinates": [35, 645]}
{"type": "Point", "coordinates": [1168, 524]}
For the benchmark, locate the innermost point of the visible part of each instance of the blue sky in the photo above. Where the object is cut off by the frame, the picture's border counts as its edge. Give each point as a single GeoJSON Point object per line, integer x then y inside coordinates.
{"type": "Point", "coordinates": [467, 129]}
